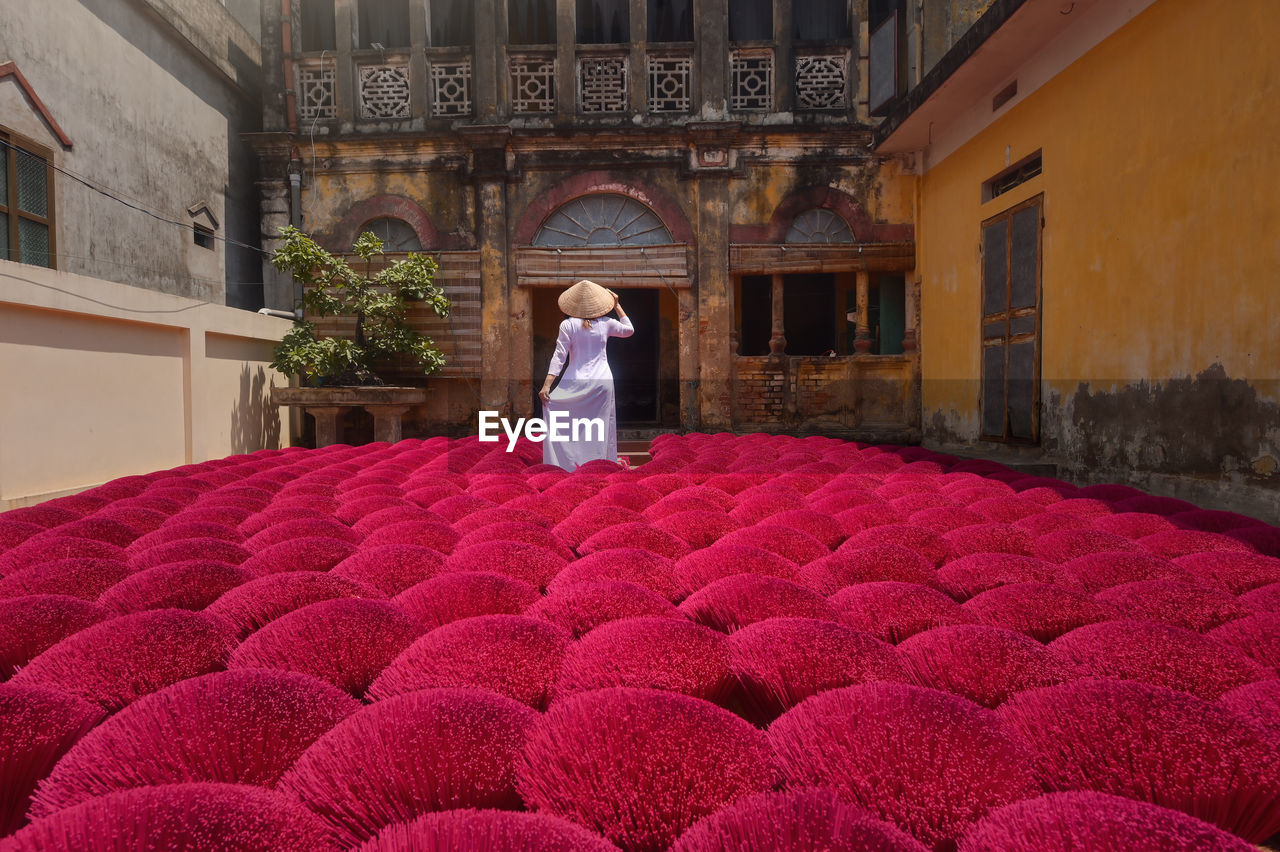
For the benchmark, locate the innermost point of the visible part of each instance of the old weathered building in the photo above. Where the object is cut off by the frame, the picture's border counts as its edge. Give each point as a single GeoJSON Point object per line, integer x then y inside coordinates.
{"type": "Point", "coordinates": [709, 159]}
{"type": "Point", "coordinates": [1097, 242]}
{"type": "Point", "coordinates": [1037, 229]}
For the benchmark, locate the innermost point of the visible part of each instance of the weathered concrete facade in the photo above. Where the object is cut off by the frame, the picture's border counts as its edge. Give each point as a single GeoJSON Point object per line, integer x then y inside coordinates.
{"type": "Point", "coordinates": [747, 161]}
{"type": "Point", "coordinates": [1153, 321]}
{"type": "Point", "coordinates": [145, 100]}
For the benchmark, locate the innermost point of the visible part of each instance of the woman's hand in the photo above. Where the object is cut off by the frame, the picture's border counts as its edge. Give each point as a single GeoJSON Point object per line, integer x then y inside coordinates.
{"type": "Point", "coordinates": [545, 395]}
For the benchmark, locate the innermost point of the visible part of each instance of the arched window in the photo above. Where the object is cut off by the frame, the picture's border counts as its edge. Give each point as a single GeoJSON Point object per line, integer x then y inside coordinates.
{"type": "Point", "coordinates": [819, 226]}
{"type": "Point", "coordinates": [603, 219]}
{"type": "Point", "coordinates": [397, 235]}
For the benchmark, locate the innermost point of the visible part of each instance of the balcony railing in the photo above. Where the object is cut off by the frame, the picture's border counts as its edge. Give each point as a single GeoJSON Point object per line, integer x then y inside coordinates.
{"type": "Point", "coordinates": [603, 78]}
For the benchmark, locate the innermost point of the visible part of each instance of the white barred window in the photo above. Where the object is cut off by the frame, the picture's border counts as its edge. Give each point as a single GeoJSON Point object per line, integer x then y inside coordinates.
{"type": "Point", "coordinates": [670, 83]}
{"type": "Point", "coordinates": [451, 88]}
{"type": "Point", "coordinates": [822, 81]}
{"type": "Point", "coordinates": [602, 84]}
{"type": "Point", "coordinates": [751, 79]}
{"type": "Point", "coordinates": [315, 93]}
{"type": "Point", "coordinates": [533, 84]}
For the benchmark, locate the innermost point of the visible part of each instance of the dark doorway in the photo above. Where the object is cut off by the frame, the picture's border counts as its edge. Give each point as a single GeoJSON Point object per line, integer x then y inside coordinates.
{"type": "Point", "coordinates": [645, 396]}
{"type": "Point", "coordinates": [755, 302]}
{"type": "Point", "coordinates": [809, 313]}
{"type": "Point", "coordinates": [634, 361]}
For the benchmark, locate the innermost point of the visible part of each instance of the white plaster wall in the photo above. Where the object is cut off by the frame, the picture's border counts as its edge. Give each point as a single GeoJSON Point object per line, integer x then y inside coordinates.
{"type": "Point", "coordinates": [102, 380]}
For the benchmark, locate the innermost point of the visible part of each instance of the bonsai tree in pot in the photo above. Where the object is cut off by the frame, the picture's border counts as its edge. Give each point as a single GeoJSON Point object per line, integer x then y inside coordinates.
{"type": "Point", "coordinates": [377, 300]}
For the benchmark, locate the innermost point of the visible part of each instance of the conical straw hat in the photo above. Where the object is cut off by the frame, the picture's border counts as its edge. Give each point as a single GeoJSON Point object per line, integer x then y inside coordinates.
{"type": "Point", "coordinates": [586, 300]}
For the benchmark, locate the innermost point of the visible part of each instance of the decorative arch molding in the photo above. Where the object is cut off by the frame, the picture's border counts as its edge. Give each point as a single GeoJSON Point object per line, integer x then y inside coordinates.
{"type": "Point", "coordinates": [826, 198]}
{"type": "Point", "coordinates": [588, 183]}
{"type": "Point", "coordinates": [344, 233]}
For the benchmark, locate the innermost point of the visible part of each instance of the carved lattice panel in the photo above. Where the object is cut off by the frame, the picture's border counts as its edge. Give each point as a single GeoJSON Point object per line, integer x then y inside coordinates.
{"type": "Point", "coordinates": [384, 91]}
{"type": "Point", "coordinates": [751, 79]}
{"type": "Point", "coordinates": [451, 88]}
{"type": "Point", "coordinates": [315, 93]}
{"type": "Point", "coordinates": [602, 84]}
{"type": "Point", "coordinates": [533, 84]}
{"type": "Point", "coordinates": [822, 81]}
{"type": "Point", "coordinates": [670, 83]}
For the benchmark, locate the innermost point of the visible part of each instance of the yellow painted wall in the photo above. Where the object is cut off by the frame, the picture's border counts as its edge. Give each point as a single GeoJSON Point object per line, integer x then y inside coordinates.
{"type": "Point", "coordinates": [1161, 250]}
{"type": "Point", "coordinates": [102, 380]}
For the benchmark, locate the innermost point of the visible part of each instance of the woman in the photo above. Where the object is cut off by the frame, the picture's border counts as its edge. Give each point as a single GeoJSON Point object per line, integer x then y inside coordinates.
{"type": "Point", "coordinates": [586, 390]}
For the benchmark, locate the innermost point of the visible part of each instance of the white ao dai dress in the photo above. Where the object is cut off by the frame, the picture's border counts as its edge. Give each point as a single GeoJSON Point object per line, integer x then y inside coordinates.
{"type": "Point", "coordinates": [585, 391]}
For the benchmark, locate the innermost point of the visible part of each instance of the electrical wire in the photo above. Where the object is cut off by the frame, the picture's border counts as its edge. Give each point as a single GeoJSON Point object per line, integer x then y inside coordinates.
{"type": "Point", "coordinates": [112, 194]}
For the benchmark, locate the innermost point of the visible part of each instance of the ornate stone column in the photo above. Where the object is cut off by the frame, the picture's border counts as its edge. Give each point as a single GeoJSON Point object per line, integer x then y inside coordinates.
{"type": "Point", "coordinates": [778, 338]}
{"type": "Point", "coordinates": [862, 336]}
{"type": "Point", "coordinates": [388, 424]}
{"type": "Point", "coordinates": [328, 422]}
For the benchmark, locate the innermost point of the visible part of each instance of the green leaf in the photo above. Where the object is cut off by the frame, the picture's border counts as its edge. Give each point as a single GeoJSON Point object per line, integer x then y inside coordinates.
{"type": "Point", "coordinates": [333, 288]}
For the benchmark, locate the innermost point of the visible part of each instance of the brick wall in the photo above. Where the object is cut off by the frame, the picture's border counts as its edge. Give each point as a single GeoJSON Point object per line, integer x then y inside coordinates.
{"type": "Point", "coordinates": [822, 386]}
{"type": "Point", "coordinates": [824, 393]}
{"type": "Point", "coordinates": [760, 391]}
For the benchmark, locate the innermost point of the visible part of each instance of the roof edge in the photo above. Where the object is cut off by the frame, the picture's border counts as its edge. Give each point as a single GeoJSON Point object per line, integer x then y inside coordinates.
{"type": "Point", "coordinates": [996, 16]}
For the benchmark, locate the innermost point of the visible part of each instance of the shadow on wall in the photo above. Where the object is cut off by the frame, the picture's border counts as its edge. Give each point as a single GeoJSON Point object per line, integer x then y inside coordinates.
{"type": "Point", "coordinates": [255, 421]}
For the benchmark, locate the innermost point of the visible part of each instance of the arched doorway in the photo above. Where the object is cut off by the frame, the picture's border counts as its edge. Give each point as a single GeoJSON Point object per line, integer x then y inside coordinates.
{"type": "Point", "coordinates": [646, 383]}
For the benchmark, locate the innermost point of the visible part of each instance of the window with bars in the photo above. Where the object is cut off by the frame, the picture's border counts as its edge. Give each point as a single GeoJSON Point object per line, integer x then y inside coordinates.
{"type": "Point", "coordinates": [26, 202]}
{"type": "Point", "coordinates": [1011, 324]}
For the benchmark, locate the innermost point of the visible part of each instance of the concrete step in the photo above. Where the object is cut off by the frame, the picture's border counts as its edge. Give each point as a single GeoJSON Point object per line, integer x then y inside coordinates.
{"type": "Point", "coordinates": [636, 452]}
